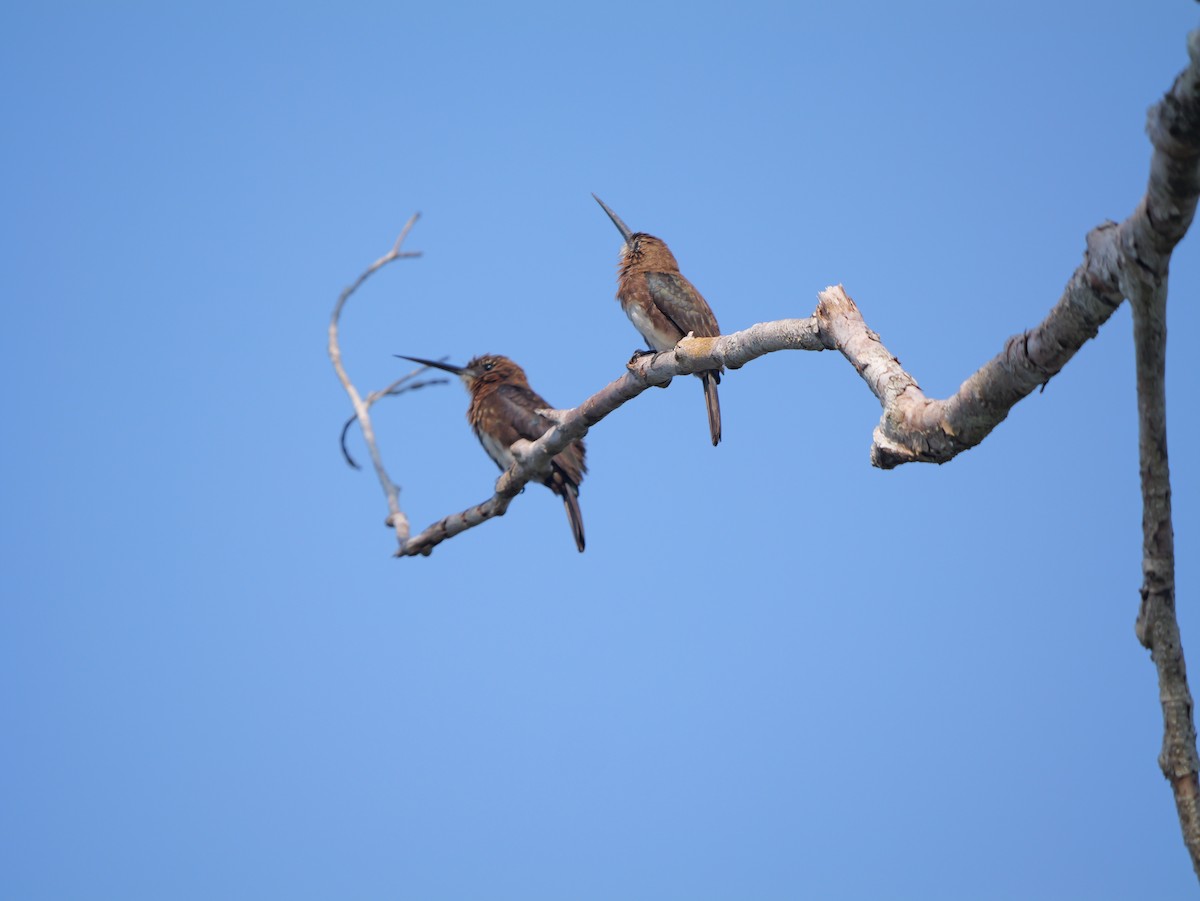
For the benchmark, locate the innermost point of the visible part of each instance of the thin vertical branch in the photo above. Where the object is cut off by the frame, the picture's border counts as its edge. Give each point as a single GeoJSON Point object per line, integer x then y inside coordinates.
{"type": "Point", "coordinates": [1147, 241]}
{"type": "Point", "coordinates": [396, 518]}
{"type": "Point", "coordinates": [1157, 626]}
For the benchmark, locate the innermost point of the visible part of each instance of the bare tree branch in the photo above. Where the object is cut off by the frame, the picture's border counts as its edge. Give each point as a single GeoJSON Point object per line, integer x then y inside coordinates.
{"type": "Point", "coordinates": [1162, 219]}
{"type": "Point", "coordinates": [1127, 260]}
{"type": "Point", "coordinates": [915, 428]}
{"type": "Point", "coordinates": [1157, 627]}
{"type": "Point", "coordinates": [396, 519]}
{"type": "Point", "coordinates": [691, 355]}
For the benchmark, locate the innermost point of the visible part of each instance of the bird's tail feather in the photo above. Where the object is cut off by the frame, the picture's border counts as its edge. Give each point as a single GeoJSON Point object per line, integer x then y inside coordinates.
{"type": "Point", "coordinates": [714, 405]}
{"type": "Point", "coordinates": [571, 502]}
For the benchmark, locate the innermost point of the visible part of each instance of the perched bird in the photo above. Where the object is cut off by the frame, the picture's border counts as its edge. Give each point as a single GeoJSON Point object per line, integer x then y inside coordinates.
{"type": "Point", "coordinates": [504, 408]}
{"type": "Point", "coordinates": [663, 305]}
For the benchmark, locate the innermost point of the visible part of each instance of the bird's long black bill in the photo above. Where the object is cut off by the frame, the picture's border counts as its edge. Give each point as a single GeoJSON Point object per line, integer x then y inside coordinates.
{"type": "Point", "coordinates": [621, 226]}
{"type": "Point", "coordinates": [457, 370]}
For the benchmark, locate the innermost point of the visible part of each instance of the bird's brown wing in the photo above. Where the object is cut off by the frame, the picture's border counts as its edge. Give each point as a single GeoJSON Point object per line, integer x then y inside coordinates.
{"type": "Point", "coordinates": [519, 407]}
{"type": "Point", "coordinates": [680, 302]}
{"type": "Point", "coordinates": [510, 413]}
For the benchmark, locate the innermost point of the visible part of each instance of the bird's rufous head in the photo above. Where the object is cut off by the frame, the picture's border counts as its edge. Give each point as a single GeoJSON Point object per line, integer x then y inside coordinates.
{"type": "Point", "coordinates": [487, 369]}
{"type": "Point", "coordinates": [641, 251]}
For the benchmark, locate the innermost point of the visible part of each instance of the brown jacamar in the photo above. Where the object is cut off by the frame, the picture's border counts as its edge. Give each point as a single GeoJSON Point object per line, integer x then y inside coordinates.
{"type": "Point", "coordinates": [504, 408]}
{"type": "Point", "coordinates": [663, 305]}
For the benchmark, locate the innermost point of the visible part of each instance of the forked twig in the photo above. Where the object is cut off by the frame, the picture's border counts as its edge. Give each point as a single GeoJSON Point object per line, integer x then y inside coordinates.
{"type": "Point", "coordinates": [396, 518]}
{"type": "Point", "coordinates": [395, 388]}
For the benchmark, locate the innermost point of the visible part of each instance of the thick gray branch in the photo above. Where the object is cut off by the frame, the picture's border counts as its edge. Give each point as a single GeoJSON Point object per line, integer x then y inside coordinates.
{"type": "Point", "coordinates": [918, 429]}
{"type": "Point", "coordinates": [915, 428]}
{"type": "Point", "coordinates": [1166, 212]}
{"type": "Point", "coordinates": [1130, 260]}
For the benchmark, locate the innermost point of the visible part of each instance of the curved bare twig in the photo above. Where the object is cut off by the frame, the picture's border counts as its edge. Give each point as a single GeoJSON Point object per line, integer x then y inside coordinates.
{"type": "Point", "coordinates": [396, 519]}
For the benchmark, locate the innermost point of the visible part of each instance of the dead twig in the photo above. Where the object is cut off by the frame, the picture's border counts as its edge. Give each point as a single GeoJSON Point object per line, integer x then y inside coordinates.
{"type": "Point", "coordinates": [396, 519]}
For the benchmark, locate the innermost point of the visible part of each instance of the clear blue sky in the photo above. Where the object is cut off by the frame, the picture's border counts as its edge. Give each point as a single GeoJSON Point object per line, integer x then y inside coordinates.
{"type": "Point", "coordinates": [776, 672]}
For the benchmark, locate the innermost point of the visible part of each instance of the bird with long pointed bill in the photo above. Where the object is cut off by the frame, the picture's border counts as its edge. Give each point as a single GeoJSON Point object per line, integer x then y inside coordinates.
{"type": "Point", "coordinates": [503, 409]}
{"type": "Point", "coordinates": [663, 305]}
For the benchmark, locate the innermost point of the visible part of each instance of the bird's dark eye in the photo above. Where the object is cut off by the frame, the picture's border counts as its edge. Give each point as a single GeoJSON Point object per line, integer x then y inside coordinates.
{"type": "Point", "coordinates": [487, 367]}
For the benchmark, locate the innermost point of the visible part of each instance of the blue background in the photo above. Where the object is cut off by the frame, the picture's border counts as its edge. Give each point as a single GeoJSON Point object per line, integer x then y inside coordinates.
{"type": "Point", "coordinates": [776, 672]}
